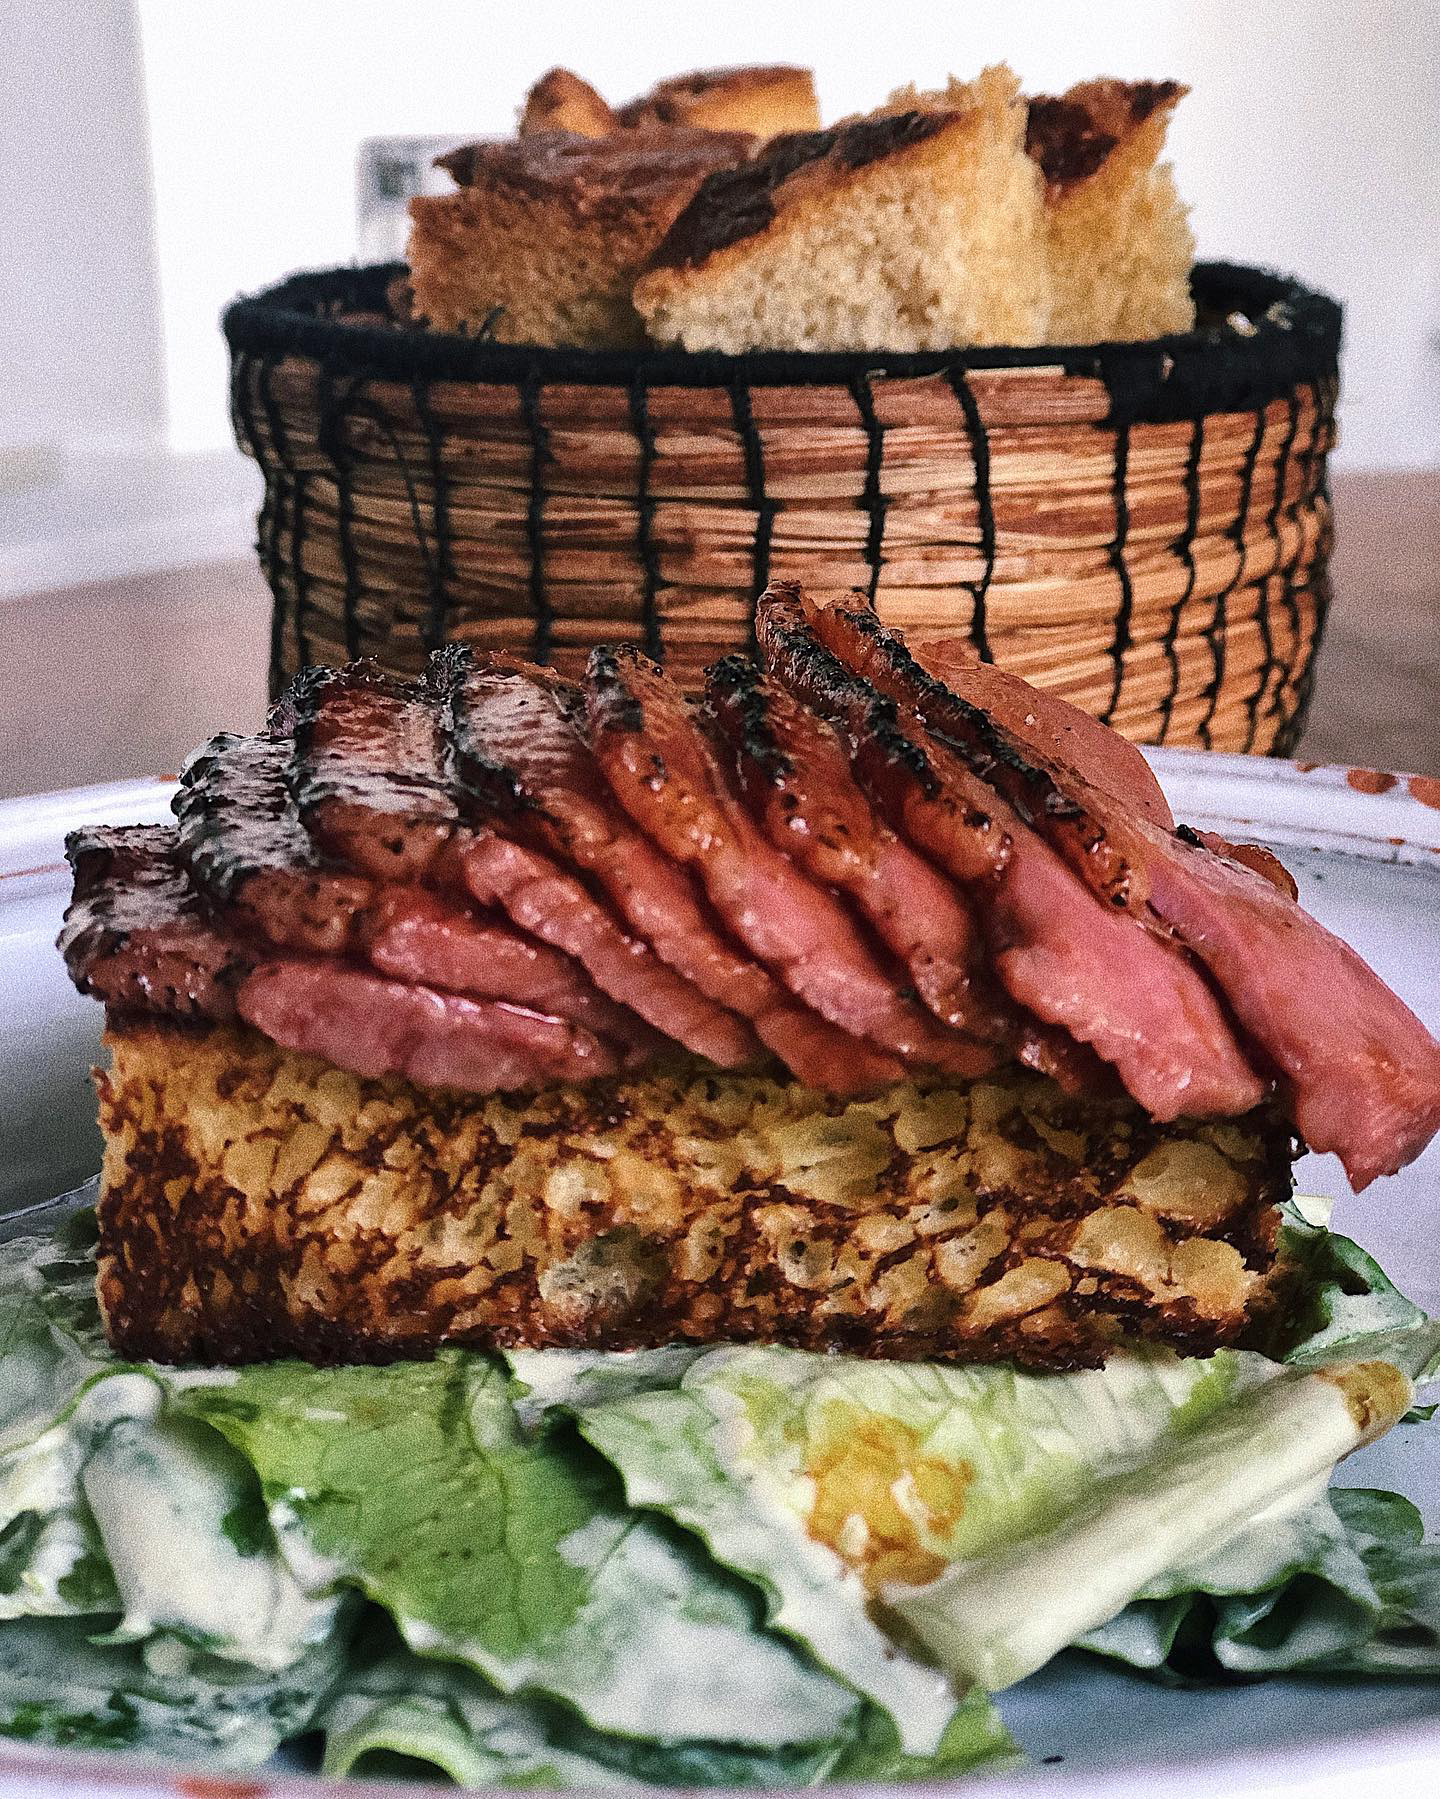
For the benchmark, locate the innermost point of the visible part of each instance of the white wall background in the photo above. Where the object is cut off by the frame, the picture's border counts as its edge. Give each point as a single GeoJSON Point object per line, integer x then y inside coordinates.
{"type": "Point", "coordinates": [1309, 141]}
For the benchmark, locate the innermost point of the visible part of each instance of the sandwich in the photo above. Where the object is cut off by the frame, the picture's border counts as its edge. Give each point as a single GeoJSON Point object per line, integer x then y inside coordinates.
{"type": "Point", "coordinates": [698, 1239]}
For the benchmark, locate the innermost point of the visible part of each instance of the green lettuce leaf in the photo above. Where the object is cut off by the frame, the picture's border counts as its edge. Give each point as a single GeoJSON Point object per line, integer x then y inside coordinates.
{"type": "Point", "coordinates": [515, 1555]}
{"type": "Point", "coordinates": [1345, 1585]}
{"type": "Point", "coordinates": [1356, 1312]}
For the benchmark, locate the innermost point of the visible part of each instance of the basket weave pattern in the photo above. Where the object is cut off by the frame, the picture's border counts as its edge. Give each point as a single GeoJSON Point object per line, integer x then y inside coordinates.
{"type": "Point", "coordinates": [1143, 529]}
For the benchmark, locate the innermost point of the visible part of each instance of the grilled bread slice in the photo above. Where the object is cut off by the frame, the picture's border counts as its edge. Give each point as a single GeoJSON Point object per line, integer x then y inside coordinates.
{"type": "Point", "coordinates": [259, 1203]}
{"type": "Point", "coordinates": [763, 101]}
{"type": "Point", "coordinates": [563, 101]}
{"type": "Point", "coordinates": [1117, 233]}
{"type": "Point", "coordinates": [912, 230]}
{"type": "Point", "coordinates": [544, 236]}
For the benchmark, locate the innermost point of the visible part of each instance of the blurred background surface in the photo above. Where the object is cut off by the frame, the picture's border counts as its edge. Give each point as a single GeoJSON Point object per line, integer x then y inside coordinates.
{"type": "Point", "coordinates": [162, 156]}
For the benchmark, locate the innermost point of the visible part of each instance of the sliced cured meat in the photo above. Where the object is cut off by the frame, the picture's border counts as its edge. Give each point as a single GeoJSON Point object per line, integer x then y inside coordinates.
{"type": "Point", "coordinates": [369, 775]}
{"type": "Point", "coordinates": [1063, 955]}
{"type": "Point", "coordinates": [795, 776]}
{"type": "Point", "coordinates": [135, 933]}
{"type": "Point", "coordinates": [1362, 1073]}
{"type": "Point", "coordinates": [1048, 725]}
{"type": "Point", "coordinates": [374, 1027]}
{"type": "Point", "coordinates": [1103, 851]}
{"type": "Point", "coordinates": [519, 746]}
{"type": "Point", "coordinates": [1253, 856]}
{"type": "Point", "coordinates": [245, 842]}
{"type": "Point", "coordinates": [428, 938]}
{"type": "Point", "coordinates": [666, 775]}
{"type": "Point", "coordinates": [245, 847]}
{"type": "Point", "coordinates": [550, 903]}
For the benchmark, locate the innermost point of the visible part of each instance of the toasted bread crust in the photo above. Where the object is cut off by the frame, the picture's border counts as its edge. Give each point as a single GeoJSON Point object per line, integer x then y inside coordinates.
{"type": "Point", "coordinates": [763, 100]}
{"type": "Point", "coordinates": [562, 101]}
{"type": "Point", "coordinates": [257, 1203]}
{"type": "Point", "coordinates": [546, 233]}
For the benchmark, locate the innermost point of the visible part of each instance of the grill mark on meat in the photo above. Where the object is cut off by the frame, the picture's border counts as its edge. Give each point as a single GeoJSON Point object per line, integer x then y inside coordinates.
{"type": "Point", "coordinates": [369, 776]}
{"type": "Point", "coordinates": [519, 741]}
{"type": "Point", "coordinates": [1049, 726]}
{"type": "Point", "coordinates": [795, 776]}
{"type": "Point", "coordinates": [1019, 773]}
{"type": "Point", "coordinates": [135, 934]}
{"type": "Point", "coordinates": [519, 734]}
{"type": "Point", "coordinates": [1071, 961]}
{"type": "Point", "coordinates": [243, 842]}
{"type": "Point", "coordinates": [799, 930]}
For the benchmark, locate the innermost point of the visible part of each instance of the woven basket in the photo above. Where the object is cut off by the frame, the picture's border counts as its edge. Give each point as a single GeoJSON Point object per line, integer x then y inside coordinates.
{"type": "Point", "coordinates": [1141, 527]}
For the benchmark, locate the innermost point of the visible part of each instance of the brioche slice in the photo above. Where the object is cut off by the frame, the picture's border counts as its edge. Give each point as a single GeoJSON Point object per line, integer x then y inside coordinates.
{"type": "Point", "coordinates": [765, 101]}
{"type": "Point", "coordinates": [914, 230]}
{"type": "Point", "coordinates": [1118, 235]}
{"type": "Point", "coordinates": [258, 1203]}
{"type": "Point", "coordinates": [544, 236]}
{"type": "Point", "coordinates": [562, 101]}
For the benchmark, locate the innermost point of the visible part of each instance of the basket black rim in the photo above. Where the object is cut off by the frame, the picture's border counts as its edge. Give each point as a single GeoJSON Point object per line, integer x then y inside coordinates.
{"type": "Point", "coordinates": [1291, 338]}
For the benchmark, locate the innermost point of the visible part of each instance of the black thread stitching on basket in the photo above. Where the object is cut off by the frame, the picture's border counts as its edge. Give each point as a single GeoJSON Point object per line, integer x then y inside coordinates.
{"type": "Point", "coordinates": [1320, 594]}
{"type": "Point", "coordinates": [1281, 581]}
{"type": "Point", "coordinates": [872, 498]}
{"type": "Point", "coordinates": [645, 519]}
{"type": "Point", "coordinates": [543, 616]}
{"type": "Point", "coordinates": [985, 507]}
{"type": "Point", "coordinates": [1121, 640]}
{"type": "Point", "coordinates": [1184, 547]}
{"type": "Point", "coordinates": [402, 462]}
{"type": "Point", "coordinates": [280, 443]}
{"type": "Point", "coordinates": [267, 526]}
{"type": "Point", "coordinates": [331, 443]}
{"type": "Point", "coordinates": [441, 567]}
{"type": "Point", "coordinates": [1220, 616]}
{"type": "Point", "coordinates": [765, 507]}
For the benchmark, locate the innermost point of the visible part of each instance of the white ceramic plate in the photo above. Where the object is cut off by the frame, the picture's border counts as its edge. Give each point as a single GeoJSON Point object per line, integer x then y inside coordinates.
{"type": "Point", "coordinates": [1368, 864]}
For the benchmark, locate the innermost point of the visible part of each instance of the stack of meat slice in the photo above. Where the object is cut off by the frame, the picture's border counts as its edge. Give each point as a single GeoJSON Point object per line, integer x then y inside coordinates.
{"type": "Point", "coordinates": [854, 861]}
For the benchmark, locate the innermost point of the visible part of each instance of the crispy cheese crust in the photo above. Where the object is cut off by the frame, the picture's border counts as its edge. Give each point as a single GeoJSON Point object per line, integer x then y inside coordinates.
{"type": "Point", "coordinates": [257, 1203]}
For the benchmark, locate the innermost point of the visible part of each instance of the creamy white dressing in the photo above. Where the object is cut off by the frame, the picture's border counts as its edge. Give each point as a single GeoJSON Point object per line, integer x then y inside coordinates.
{"type": "Point", "coordinates": [160, 1501]}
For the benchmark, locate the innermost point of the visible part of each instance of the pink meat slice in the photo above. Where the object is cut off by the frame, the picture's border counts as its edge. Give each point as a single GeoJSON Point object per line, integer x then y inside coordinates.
{"type": "Point", "coordinates": [1048, 725]}
{"type": "Point", "coordinates": [1362, 1073]}
{"type": "Point", "coordinates": [427, 938]}
{"type": "Point", "coordinates": [666, 775]}
{"type": "Point", "coordinates": [795, 776]}
{"type": "Point", "coordinates": [1061, 954]}
{"type": "Point", "coordinates": [375, 1027]}
{"type": "Point", "coordinates": [549, 902]}
{"type": "Point", "coordinates": [518, 743]}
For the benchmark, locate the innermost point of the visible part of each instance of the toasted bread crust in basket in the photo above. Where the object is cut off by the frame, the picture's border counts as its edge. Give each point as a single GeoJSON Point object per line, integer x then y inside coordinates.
{"type": "Point", "coordinates": [1117, 233]}
{"type": "Point", "coordinates": [542, 241]}
{"type": "Point", "coordinates": [763, 100]}
{"type": "Point", "coordinates": [258, 1203]}
{"type": "Point", "coordinates": [905, 230]}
